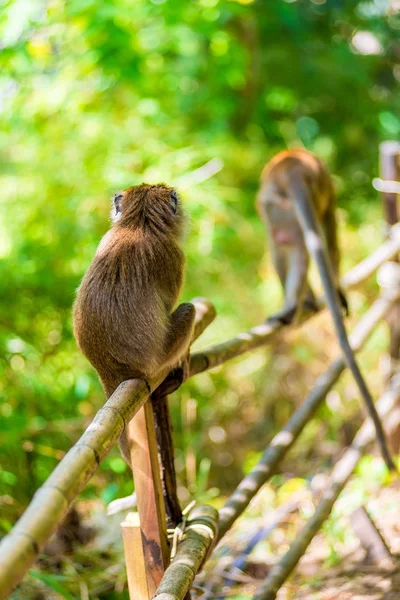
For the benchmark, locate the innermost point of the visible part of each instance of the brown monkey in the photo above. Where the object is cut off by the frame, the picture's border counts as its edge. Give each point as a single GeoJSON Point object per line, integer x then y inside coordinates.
{"type": "Point", "coordinates": [124, 321]}
{"type": "Point", "coordinates": [297, 202]}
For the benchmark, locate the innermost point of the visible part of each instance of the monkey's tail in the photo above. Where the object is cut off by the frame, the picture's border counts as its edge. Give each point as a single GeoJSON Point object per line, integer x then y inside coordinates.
{"type": "Point", "coordinates": [314, 240]}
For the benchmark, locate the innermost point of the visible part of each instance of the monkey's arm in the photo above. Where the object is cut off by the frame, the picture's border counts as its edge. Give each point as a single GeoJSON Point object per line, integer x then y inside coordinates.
{"type": "Point", "coordinates": [292, 267]}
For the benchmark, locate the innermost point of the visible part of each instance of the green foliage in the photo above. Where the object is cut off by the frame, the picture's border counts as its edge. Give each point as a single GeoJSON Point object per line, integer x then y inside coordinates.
{"type": "Point", "coordinates": [95, 97]}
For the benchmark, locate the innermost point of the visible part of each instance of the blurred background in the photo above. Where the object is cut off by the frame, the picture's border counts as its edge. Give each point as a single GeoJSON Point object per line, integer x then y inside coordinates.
{"type": "Point", "coordinates": [95, 97]}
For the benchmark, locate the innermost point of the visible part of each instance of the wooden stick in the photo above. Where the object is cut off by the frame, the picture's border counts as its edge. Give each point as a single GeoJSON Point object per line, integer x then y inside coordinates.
{"type": "Point", "coordinates": [150, 502]}
{"type": "Point", "coordinates": [265, 333]}
{"type": "Point", "coordinates": [389, 158]}
{"type": "Point", "coordinates": [135, 565]}
{"type": "Point", "coordinates": [340, 476]}
{"type": "Point", "coordinates": [284, 440]}
{"type": "Point", "coordinates": [198, 538]}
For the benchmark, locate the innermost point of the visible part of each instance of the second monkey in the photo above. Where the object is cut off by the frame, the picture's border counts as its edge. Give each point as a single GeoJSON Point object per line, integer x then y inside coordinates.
{"type": "Point", "coordinates": [297, 203]}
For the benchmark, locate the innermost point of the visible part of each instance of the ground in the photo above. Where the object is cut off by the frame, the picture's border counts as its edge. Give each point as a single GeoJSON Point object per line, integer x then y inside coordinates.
{"type": "Point", "coordinates": [335, 567]}
{"type": "Point", "coordinates": [329, 570]}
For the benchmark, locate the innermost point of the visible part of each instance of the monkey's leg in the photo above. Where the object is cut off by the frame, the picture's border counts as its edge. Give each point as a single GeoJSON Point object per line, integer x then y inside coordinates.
{"type": "Point", "coordinates": [279, 260]}
{"type": "Point", "coordinates": [178, 341]}
{"type": "Point", "coordinates": [179, 334]}
{"type": "Point", "coordinates": [295, 282]}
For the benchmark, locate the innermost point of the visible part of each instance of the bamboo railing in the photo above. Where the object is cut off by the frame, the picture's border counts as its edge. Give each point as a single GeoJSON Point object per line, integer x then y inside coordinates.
{"type": "Point", "coordinates": [20, 547]}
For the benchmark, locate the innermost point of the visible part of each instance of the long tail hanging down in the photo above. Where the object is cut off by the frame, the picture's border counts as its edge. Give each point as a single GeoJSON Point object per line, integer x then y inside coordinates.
{"type": "Point", "coordinates": [314, 240]}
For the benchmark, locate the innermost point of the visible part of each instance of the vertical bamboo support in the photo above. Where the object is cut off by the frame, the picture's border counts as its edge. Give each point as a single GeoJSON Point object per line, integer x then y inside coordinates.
{"type": "Point", "coordinates": [150, 502]}
{"type": "Point", "coordinates": [135, 565]}
{"type": "Point", "coordinates": [389, 155]}
{"type": "Point", "coordinates": [390, 171]}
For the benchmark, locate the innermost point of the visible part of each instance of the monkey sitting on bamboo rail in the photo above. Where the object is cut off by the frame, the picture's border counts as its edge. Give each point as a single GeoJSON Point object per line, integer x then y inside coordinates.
{"type": "Point", "coordinates": [124, 317]}
{"type": "Point", "coordinates": [296, 200]}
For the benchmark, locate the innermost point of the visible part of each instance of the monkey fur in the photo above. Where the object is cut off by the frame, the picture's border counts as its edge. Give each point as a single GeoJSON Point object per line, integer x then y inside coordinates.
{"type": "Point", "coordinates": [296, 200]}
{"type": "Point", "coordinates": [124, 317]}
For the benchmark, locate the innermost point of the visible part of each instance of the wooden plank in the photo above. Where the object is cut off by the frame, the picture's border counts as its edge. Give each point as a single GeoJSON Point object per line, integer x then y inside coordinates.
{"type": "Point", "coordinates": [150, 502]}
{"type": "Point", "coordinates": [134, 558]}
{"type": "Point", "coordinates": [389, 162]}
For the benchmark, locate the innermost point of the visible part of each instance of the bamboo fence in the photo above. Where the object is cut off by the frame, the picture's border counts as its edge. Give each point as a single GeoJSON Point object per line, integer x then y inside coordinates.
{"type": "Point", "coordinates": [20, 547]}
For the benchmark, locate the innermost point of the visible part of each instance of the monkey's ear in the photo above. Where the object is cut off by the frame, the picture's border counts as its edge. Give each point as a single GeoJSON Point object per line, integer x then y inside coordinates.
{"type": "Point", "coordinates": [174, 200]}
{"type": "Point", "coordinates": [118, 204]}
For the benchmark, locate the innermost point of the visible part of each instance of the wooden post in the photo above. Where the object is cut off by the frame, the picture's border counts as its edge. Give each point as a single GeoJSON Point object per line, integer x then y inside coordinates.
{"type": "Point", "coordinates": [389, 153]}
{"type": "Point", "coordinates": [390, 171]}
{"type": "Point", "coordinates": [150, 502]}
{"type": "Point", "coordinates": [135, 565]}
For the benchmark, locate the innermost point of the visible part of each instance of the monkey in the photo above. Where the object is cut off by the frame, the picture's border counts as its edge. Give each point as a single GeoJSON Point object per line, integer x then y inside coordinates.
{"type": "Point", "coordinates": [296, 200]}
{"type": "Point", "coordinates": [123, 316]}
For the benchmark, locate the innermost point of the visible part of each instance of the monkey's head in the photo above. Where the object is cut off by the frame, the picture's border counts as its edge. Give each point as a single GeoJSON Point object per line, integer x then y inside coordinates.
{"type": "Point", "coordinates": [155, 208]}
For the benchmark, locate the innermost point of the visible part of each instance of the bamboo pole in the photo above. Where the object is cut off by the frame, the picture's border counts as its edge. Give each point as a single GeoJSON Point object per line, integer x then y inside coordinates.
{"type": "Point", "coordinates": [198, 539]}
{"type": "Point", "coordinates": [340, 476]}
{"type": "Point", "coordinates": [19, 549]}
{"type": "Point", "coordinates": [263, 334]}
{"type": "Point", "coordinates": [387, 251]}
{"type": "Point", "coordinates": [284, 440]}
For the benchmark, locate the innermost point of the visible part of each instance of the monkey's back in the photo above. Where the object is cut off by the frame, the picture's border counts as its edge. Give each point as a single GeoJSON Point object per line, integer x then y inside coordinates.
{"type": "Point", "coordinates": [285, 165]}
{"type": "Point", "coordinates": [124, 302]}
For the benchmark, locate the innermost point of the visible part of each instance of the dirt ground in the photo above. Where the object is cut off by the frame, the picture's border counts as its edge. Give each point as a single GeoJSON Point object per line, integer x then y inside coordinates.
{"type": "Point", "coordinates": [357, 576]}
{"type": "Point", "coordinates": [331, 569]}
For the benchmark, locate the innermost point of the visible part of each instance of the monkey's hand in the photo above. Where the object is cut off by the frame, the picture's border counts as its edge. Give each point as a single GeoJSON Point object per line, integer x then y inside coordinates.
{"type": "Point", "coordinates": [283, 317]}
{"type": "Point", "coordinates": [287, 316]}
{"type": "Point", "coordinates": [175, 377]}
